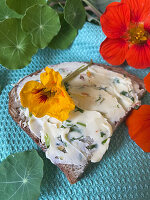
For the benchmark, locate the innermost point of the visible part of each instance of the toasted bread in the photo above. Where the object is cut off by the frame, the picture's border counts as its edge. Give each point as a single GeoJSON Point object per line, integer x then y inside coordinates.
{"type": "Point", "coordinates": [72, 172]}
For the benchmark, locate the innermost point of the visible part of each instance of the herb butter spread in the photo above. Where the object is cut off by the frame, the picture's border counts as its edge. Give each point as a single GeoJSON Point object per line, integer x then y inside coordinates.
{"type": "Point", "coordinates": [102, 98]}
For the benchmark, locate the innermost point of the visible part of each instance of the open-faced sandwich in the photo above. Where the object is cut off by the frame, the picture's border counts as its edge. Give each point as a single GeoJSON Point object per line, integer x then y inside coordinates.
{"type": "Point", "coordinates": [73, 123]}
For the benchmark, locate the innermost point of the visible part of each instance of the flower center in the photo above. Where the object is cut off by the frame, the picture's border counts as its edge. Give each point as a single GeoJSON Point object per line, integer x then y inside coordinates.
{"type": "Point", "coordinates": [138, 35]}
{"type": "Point", "coordinates": [45, 94]}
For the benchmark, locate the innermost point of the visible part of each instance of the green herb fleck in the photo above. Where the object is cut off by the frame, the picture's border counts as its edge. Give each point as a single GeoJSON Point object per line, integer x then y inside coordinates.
{"type": "Point", "coordinates": [65, 144]}
{"type": "Point", "coordinates": [62, 148]}
{"type": "Point", "coordinates": [47, 140]}
{"type": "Point", "coordinates": [72, 139]}
{"type": "Point", "coordinates": [136, 107]}
{"type": "Point", "coordinates": [100, 99]}
{"type": "Point", "coordinates": [132, 98]}
{"type": "Point", "coordinates": [62, 126]}
{"type": "Point", "coordinates": [118, 106]}
{"type": "Point", "coordinates": [68, 121]}
{"type": "Point", "coordinates": [126, 94]}
{"type": "Point", "coordinates": [102, 133]}
{"type": "Point", "coordinates": [78, 109]}
{"type": "Point", "coordinates": [82, 124]}
{"type": "Point", "coordinates": [66, 84]}
{"type": "Point", "coordinates": [60, 139]}
{"type": "Point", "coordinates": [103, 88]}
{"type": "Point", "coordinates": [75, 128]}
{"type": "Point", "coordinates": [30, 114]}
{"type": "Point", "coordinates": [104, 141]}
{"type": "Point", "coordinates": [91, 146]}
{"type": "Point", "coordinates": [116, 80]}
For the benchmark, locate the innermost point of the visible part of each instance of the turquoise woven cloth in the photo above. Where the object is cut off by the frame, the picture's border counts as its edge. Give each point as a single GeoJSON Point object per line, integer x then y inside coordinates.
{"type": "Point", "coordinates": [124, 171]}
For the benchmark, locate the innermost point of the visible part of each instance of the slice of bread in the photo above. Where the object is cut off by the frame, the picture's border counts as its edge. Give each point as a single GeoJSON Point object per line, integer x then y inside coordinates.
{"type": "Point", "coordinates": [72, 172]}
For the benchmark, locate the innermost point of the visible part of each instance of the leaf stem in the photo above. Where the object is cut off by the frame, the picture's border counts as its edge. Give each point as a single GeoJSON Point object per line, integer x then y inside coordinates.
{"type": "Point", "coordinates": [76, 72]}
{"type": "Point", "coordinates": [57, 3]}
{"type": "Point", "coordinates": [90, 18]}
{"type": "Point", "coordinates": [93, 9]}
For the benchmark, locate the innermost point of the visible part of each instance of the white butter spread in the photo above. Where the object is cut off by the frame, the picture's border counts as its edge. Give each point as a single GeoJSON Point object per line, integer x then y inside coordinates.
{"type": "Point", "coordinates": [102, 98]}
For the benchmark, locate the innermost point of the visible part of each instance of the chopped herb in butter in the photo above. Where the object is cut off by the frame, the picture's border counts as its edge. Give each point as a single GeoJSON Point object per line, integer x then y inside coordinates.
{"type": "Point", "coordinates": [79, 138]}
{"type": "Point", "coordinates": [103, 88]}
{"type": "Point", "coordinates": [68, 121]}
{"type": "Point", "coordinates": [104, 141]}
{"type": "Point", "coordinates": [78, 109]}
{"type": "Point", "coordinates": [82, 124]}
{"type": "Point", "coordinates": [91, 146]}
{"type": "Point", "coordinates": [66, 84]}
{"type": "Point", "coordinates": [102, 133]}
{"type": "Point", "coordinates": [62, 148]}
{"type": "Point", "coordinates": [132, 98]}
{"type": "Point", "coordinates": [126, 94]}
{"type": "Point", "coordinates": [75, 128]}
{"type": "Point", "coordinates": [100, 99]}
{"type": "Point", "coordinates": [136, 107]}
{"type": "Point", "coordinates": [60, 139]}
{"type": "Point", "coordinates": [62, 126]}
{"type": "Point", "coordinates": [116, 80]}
{"type": "Point", "coordinates": [47, 140]}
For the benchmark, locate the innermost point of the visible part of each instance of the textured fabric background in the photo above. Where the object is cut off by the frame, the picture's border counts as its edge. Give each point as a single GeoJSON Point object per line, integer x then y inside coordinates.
{"type": "Point", "coordinates": [123, 173]}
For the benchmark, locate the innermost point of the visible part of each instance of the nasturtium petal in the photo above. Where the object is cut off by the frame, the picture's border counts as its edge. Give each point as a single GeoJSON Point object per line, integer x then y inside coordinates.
{"type": "Point", "coordinates": [20, 6]}
{"type": "Point", "coordinates": [43, 23]}
{"type": "Point", "coordinates": [16, 48]}
{"type": "Point", "coordinates": [74, 13]}
{"type": "Point", "coordinates": [20, 176]}
{"type": "Point", "coordinates": [6, 12]}
{"type": "Point", "coordinates": [65, 37]}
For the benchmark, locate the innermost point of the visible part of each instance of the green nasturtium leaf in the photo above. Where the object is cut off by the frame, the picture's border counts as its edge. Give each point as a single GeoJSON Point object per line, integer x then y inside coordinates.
{"type": "Point", "coordinates": [102, 4]}
{"type": "Point", "coordinates": [20, 176]}
{"type": "Point", "coordinates": [6, 12]}
{"type": "Point", "coordinates": [65, 37]}
{"type": "Point", "coordinates": [20, 6]}
{"type": "Point", "coordinates": [43, 23]}
{"type": "Point", "coordinates": [74, 13]}
{"type": "Point", "coordinates": [16, 48]}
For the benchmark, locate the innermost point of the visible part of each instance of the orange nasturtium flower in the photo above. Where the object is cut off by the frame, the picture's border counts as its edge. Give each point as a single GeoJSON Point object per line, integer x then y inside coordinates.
{"type": "Point", "coordinates": [48, 97]}
{"type": "Point", "coordinates": [127, 27]}
{"type": "Point", "coordinates": [147, 82]}
{"type": "Point", "coordinates": [138, 124]}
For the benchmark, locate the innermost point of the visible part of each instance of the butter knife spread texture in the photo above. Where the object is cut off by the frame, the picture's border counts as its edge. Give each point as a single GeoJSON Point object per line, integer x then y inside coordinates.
{"type": "Point", "coordinates": [105, 96]}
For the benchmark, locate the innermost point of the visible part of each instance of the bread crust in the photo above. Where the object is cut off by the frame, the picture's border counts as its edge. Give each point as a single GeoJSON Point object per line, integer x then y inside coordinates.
{"type": "Point", "coordinates": [72, 172]}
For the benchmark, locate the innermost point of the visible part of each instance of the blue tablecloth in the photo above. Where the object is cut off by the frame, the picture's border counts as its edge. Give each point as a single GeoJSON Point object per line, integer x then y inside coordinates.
{"type": "Point", "coordinates": [124, 171]}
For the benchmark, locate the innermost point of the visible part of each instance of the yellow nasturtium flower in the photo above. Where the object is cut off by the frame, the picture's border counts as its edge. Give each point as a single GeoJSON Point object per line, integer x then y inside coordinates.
{"type": "Point", "coordinates": [48, 97]}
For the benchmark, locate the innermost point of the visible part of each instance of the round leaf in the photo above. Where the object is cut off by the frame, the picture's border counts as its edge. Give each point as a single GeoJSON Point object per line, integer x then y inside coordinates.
{"type": "Point", "coordinates": [65, 37]}
{"type": "Point", "coordinates": [20, 176]}
{"type": "Point", "coordinates": [74, 13]}
{"type": "Point", "coordinates": [16, 48]}
{"type": "Point", "coordinates": [20, 6]}
{"type": "Point", "coordinates": [6, 12]}
{"type": "Point", "coordinates": [43, 23]}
